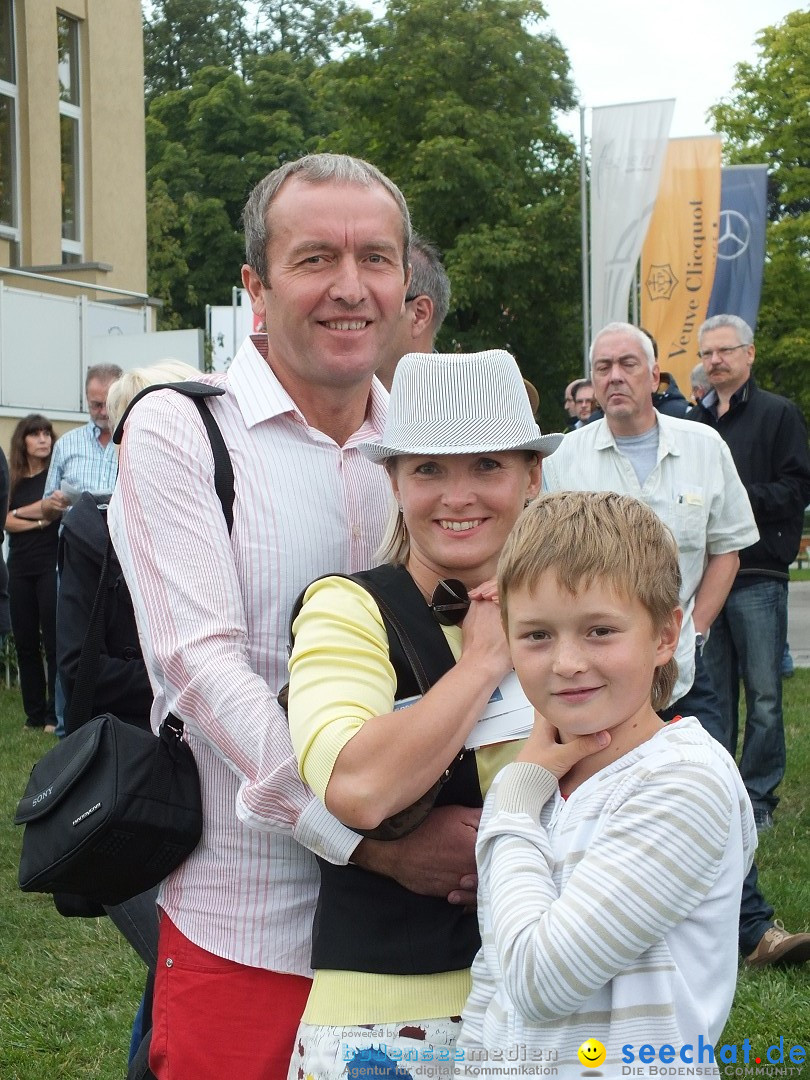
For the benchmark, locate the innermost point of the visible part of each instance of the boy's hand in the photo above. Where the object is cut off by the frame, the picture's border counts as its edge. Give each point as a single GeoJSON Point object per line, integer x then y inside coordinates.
{"type": "Point", "coordinates": [542, 748]}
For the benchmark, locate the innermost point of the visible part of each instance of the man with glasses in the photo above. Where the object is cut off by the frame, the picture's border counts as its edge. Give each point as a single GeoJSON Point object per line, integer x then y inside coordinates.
{"type": "Point", "coordinates": [767, 437]}
{"type": "Point", "coordinates": [84, 459]}
{"type": "Point", "coordinates": [583, 402]}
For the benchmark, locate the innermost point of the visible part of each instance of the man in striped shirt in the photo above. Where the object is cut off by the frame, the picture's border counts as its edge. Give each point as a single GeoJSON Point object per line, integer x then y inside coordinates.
{"type": "Point", "coordinates": [327, 270]}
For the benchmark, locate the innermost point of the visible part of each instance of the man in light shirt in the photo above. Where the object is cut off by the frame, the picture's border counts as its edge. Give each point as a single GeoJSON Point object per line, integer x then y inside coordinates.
{"type": "Point", "coordinates": [84, 459]}
{"type": "Point", "coordinates": [692, 484]}
{"type": "Point", "coordinates": [327, 270]}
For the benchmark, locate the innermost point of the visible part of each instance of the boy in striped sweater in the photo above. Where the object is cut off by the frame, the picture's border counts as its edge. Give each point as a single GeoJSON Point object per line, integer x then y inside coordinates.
{"type": "Point", "coordinates": [611, 853]}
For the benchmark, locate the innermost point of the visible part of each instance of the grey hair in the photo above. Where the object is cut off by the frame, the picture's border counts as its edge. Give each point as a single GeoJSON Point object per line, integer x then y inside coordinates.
{"type": "Point", "coordinates": [124, 389]}
{"type": "Point", "coordinates": [105, 373]}
{"type": "Point", "coordinates": [312, 169]}
{"type": "Point", "coordinates": [634, 332]}
{"type": "Point", "coordinates": [699, 377]}
{"type": "Point", "coordinates": [429, 278]}
{"type": "Point", "coordinates": [744, 331]}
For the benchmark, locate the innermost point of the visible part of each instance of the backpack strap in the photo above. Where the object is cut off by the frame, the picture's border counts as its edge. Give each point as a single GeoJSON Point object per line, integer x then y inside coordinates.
{"type": "Point", "coordinates": [81, 702]}
{"type": "Point", "coordinates": [404, 608]}
{"type": "Point", "coordinates": [223, 469]}
{"type": "Point", "coordinates": [406, 617]}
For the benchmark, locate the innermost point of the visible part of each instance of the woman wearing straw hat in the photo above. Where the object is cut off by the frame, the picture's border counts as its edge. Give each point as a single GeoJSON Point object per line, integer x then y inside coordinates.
{"type": "Point", "coordinates": [463, 453]}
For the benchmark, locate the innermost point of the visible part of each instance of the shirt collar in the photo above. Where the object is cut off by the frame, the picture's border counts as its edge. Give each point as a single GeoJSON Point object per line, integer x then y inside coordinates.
{"type": "Point", "coordinates": [605, 439]}
{"type": "Point", "coordinates": [261, 396]}
{"type": "Point", "coordinates": [709, 402]}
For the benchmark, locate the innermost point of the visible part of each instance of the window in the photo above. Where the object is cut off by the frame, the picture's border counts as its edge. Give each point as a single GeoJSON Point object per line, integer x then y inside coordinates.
{"type": "Point", "coordinates": [8, 124]}
{"type": "Point", "coordinates": [70, 130]}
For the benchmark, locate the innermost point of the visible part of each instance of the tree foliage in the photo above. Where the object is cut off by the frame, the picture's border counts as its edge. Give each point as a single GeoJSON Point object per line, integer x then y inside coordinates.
{"type": "Point", "coordinates": [454, 99]}
{"type": "Point", "coordinates": [182, 36]}
{"type": "Point", "coordinates": [767, 119]}
{"type": "Point", "coordinates": [207, 145]}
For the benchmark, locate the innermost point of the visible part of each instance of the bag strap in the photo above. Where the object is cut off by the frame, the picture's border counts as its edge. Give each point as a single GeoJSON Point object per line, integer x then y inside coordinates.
{"type": "Point", "coordinates": [403, 608]}
{"type": "Point", "coordinates": [402, 604]}
{"type": "Point", "coordinates": [81, 702]}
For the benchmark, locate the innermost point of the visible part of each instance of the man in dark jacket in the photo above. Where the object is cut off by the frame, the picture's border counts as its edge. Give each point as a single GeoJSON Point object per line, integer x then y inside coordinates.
{"type": "Point", "coordinates": [767, 437]}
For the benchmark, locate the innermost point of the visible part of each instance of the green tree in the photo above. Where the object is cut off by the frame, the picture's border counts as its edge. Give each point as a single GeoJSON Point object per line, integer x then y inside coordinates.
{"type": "Point", "coordinates": [207, 145]}
{"type": "Point", "coordinates": [300, 29]}
{"type": "Point", "coordinates": [182, 36]}
{"type": "Point", "coordinates": [767, 119]}
{"type": "Point", "coordinates": [456, 101]}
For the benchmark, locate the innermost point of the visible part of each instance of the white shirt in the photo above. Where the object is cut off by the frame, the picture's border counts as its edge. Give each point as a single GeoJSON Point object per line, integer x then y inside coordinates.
{"type": "Point", "coordinates": [612, 914]}
{"type": "Point", "coordinates": [694, 489]}
{"type": "Point", "coordinates": [212, 613]}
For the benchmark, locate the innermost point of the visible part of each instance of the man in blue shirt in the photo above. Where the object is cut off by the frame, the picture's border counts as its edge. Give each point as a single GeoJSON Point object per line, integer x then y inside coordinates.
{"type": "Point", "coordinates": [84, 459]}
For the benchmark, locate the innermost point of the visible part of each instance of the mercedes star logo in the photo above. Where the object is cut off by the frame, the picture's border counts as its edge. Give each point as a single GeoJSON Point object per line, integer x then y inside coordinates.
{"type": "Point", "coordinates": [735, 235]}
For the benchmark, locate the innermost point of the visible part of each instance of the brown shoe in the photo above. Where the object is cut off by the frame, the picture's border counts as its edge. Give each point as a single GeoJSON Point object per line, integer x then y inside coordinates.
{"type": "Point", "coordinates": [779, 948]}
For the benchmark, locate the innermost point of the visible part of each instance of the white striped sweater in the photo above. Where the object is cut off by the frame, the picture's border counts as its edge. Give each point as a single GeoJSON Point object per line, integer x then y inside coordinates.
{"type": "Point", "coordinates": [611, 915]}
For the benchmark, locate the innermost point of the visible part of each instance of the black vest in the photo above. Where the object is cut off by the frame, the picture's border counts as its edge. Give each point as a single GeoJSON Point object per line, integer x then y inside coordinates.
{"type": "Point", "coordinates": [366, 922]}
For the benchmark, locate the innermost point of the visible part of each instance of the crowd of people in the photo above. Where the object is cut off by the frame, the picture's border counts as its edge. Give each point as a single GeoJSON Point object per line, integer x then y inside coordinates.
{"type": "Point", "coordinates": [496, 809]}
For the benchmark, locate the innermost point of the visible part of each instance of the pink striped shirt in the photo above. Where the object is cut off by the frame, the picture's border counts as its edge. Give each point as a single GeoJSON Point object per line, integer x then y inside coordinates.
{"type": "Point", "coordinates": [213, 612]}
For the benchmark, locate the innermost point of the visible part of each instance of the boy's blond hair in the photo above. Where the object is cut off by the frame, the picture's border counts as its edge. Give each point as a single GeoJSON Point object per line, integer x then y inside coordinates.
{"type": "Point", "coordinates": [591, 536]}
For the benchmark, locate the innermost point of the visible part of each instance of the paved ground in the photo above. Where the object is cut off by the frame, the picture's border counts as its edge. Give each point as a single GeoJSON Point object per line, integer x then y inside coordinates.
{"type": "Point", "coordinates": [799, 622]}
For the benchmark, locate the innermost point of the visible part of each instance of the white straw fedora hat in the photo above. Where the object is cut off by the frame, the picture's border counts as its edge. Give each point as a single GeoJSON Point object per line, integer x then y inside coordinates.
{"type": "Point", "coordinates": [459, 403]}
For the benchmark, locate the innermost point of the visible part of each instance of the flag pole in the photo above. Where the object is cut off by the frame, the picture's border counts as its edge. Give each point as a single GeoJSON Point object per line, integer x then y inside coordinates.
{"type": "Point", "coordinates": [583, 199]}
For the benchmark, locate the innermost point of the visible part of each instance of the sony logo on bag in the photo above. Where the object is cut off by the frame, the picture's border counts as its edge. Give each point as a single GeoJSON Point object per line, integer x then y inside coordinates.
{"type": "Point", "coordinates": [87, 813]}
{"type": "Point", "coordinates": [42, 795]}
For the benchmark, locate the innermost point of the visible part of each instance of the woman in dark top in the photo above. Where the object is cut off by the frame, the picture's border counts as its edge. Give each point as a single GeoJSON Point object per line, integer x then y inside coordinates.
{"type": "Point", "coordinates": [32, 568]}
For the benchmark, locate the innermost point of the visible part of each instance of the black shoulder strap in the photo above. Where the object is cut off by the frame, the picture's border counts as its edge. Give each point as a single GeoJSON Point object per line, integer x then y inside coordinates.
{"type": "Point", "coordinates": [81, 702]}
{"type": "Point", "coordinates": [404, 611]}
{"type": "Point", "coordinates": [223, 469]}
{"type": "Point", "coordinates": [404, 607]}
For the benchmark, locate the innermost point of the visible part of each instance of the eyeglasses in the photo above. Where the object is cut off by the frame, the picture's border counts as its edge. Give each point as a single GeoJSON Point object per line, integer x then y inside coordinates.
{"type": "Point", "coordinates": [724, 352]}
{"type": "Point", "coordinates": [450, 602]}
{"type": "Point", "coordinates": [412, 297]}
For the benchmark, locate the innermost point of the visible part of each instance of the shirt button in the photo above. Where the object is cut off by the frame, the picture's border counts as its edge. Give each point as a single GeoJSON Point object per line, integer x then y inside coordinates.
{"type": "Point", "coordinates": [355, 532]}
{"type": "Point", "coordinates": [170, 962]}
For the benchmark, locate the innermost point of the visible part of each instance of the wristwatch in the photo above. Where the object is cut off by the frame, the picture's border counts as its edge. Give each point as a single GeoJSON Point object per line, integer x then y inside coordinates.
{"type": "Point", "coordinates": [700, 641]}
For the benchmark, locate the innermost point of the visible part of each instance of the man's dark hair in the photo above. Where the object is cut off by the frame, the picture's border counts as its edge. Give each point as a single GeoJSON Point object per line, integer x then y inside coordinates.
{"type": "Point", "coordinates": [429, 278]}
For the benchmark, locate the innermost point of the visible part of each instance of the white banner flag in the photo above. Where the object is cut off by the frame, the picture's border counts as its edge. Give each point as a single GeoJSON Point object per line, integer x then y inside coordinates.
{"type": "Point", "coordinates": [628, 144]}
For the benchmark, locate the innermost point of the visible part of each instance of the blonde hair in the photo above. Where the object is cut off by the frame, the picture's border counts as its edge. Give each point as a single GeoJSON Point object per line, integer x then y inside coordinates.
{"type": "Point", "coordinates": [395, 546]}
{"type": "Point", "coordinates": [124, 389]}
{"type": "Point", "coordinates": [589, 536]}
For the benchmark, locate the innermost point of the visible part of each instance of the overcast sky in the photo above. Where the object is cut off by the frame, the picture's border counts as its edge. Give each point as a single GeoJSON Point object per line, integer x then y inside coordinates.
{"type": "Point", "coordinates": [635, 50]}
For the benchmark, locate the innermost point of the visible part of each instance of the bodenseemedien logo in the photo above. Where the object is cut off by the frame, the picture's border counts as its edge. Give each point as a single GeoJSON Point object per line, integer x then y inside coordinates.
{"type": "Point", "coordinates": [731, 1059]}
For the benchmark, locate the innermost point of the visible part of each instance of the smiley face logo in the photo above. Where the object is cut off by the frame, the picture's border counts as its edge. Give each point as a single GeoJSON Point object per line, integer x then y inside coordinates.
{"type": "Point", "coordinates": [592, 1054]}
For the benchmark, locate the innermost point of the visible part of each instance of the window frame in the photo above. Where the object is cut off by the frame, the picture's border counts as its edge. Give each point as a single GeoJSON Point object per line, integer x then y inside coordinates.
{"type": "Point", "coordinates": [72, 247]}
{"type": "Point", "coordinates": [10, 230]}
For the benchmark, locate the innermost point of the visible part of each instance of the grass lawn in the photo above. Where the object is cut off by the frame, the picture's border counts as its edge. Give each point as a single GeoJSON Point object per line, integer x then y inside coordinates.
{"type": "Point", "coordinates": [69, 988]}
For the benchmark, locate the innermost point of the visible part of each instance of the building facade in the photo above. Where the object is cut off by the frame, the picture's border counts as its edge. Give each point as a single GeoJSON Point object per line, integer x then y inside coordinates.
{"type": "Point", "coordinates": [72, 149]}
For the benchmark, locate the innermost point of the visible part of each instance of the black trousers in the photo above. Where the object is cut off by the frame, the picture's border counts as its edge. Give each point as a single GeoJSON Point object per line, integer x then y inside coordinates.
{"type": "Point", "coordinates": [33, 622]}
